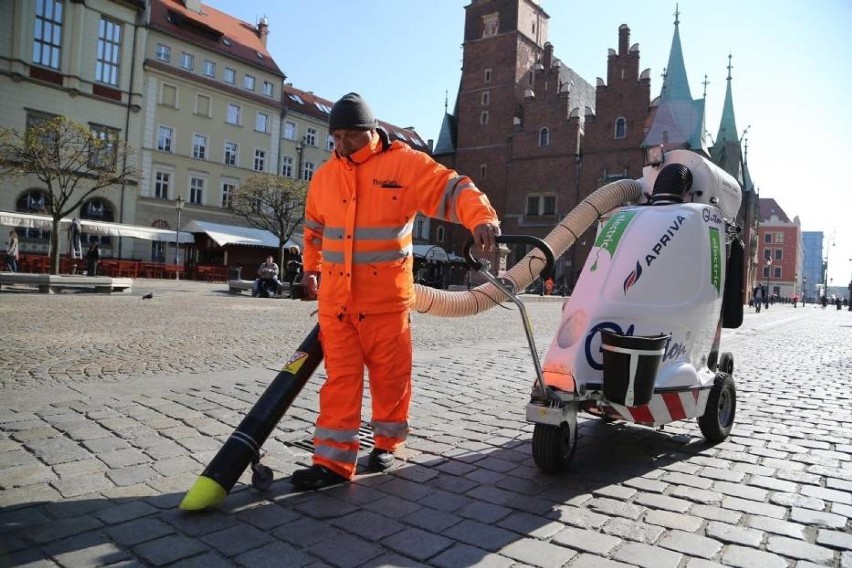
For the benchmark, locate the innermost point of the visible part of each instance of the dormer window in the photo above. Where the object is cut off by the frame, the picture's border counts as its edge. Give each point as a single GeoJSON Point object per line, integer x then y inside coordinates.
{"type": "Point", "coordinates": [226, 41]}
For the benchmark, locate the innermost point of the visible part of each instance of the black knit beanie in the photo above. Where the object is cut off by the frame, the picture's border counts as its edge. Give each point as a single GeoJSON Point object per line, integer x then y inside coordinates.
{"type": "Point", "coordinates": [351, 113]}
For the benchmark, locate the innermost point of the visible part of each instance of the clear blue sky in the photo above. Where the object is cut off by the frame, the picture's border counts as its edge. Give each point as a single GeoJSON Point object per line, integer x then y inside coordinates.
{"type": "Point", "coordinates": [792, 75]}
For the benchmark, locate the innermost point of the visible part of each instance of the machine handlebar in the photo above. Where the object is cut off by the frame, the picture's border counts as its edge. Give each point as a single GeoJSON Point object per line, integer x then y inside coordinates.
{"type": "Point", "coordinates": [549, 259]}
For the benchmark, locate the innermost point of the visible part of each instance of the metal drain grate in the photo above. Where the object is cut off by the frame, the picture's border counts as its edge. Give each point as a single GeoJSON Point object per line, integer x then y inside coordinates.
{"type": "Point", "coordinates": [365, 440]}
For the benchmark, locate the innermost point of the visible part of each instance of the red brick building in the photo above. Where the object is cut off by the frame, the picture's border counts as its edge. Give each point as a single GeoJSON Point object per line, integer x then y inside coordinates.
{"type": "Point", "coordinates": [780, 251]}
{"type": "Point", "coordinates": [538, 138]}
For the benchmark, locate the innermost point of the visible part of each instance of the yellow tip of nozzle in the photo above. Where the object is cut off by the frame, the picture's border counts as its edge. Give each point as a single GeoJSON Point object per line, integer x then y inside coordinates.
{"type": "Point", "coordinates": [204, 493]}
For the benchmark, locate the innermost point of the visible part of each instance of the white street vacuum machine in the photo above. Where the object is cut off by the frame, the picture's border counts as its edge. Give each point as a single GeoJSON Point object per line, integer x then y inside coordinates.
{"type": "Point", "coordinates": [639, 338]}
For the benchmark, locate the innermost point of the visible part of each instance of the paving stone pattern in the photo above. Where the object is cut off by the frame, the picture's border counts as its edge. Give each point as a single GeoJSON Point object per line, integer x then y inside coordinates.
{"type": "Point", "coordinates": [111, 406]}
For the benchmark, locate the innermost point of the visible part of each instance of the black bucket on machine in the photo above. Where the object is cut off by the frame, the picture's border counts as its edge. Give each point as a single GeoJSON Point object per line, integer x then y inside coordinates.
{"type": "Point", "coordinates": [630, 365]}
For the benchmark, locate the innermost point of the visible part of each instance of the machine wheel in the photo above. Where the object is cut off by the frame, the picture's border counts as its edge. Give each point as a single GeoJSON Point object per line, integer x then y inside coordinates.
{"type": "Point", "coordinates": [726, 363]}
{"type": "Point", "coordinates": [553, 446]}
{"type": "Point", "coordinates": [721, 409]}
{"type": "Point", "coordinates": [261, 477]}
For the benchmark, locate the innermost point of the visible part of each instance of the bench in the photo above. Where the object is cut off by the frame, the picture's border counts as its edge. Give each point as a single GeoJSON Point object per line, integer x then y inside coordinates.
{"type": "Point", "coordinates": [51, 283]}
{"type": "Point", "coordinates": [239, 286]}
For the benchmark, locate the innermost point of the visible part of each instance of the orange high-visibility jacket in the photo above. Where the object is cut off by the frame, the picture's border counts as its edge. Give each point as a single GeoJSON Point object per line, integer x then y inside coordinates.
{"type": "Point", "coordinates": [359, 219]}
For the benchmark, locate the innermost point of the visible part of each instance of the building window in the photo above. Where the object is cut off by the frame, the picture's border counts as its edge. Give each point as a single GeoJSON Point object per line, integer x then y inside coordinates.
{"type": "Point", "coordinates": [268, 89]}
{"type": "Point", "coordinates": [165, 136]}
{"type": "Point", "coordinates": [483, 171]}
{"type": "Point", "coordinates": [779, 238]}
{"type": "Point", "coordinates": [767, 254]}
{"type": "Point", "coordinates": [187, 61]}
{"type": "Point", "coordinates": [766, 272]}
{"type": "Point", "coordinates": [483, 117]}
{"type": "Point", "coordinates": [485, 98]}
{"type": "Point", "coordinates": [33, 201]}
{"type": "Point", "coordinates": [311, 137]}
{"type": "Point", "coordinates": [620, 127]}
{"type": "Point", "coordinates": [767, 238]}
{"type": "Point", "coordinates": [544, 137]}
{"type": "Point", "coordinates": [233, 116]}
{"type": "Point", "coordinates": [168, 95]}
{"type": "Point", "coordinates": [47, 39]}
{"type": "Point", "coordinates": [419, 231]}
{"type": "Point", "coordinates": [103, 154]}
{"type": "Point", "coordinates": [199, 147]}
{"type": "Point", "coordinates": [158, 251]}
{"type": "Point", "coordinates": [776, 272]}
{"type": "Point", "coordinates": [163, 53]}
{"type": "Point", "coordinates": [779, 254]}
{"type": "Point", "coordinates": [231, 149]}
{"type": "Point", "coordinates": [209, 68]}
{"type": "Point", "coordinates": [97, 209]}
{"type": "Point", "coordinates": [490, 24]}
{"type": "Point", "coordinates": [289, 130]}
{"type": "Point", "coordinates": [308, 171]}
{"type": "Point", "coordinates": [259, 160]}
{"type": "Point", "coordinates": [262, 122]}
{"type": "Point", "coordinates": [109, 50]}
{"type": "Point", "coordinates": [329, 143]}
{"type": "Point", "coordinates": [487, 77]}
{"type": "Point", "coordinates": [203, 105]}
{"type": "Point", "coordinates": [439, 234]}
{"type": "Point", "coordinates": [287, 166]}
{"type": "Point", "coordinates": [532, 205]}
{"type": "Point", "coordinates": [196, 190]}
{"type": "Point", "coordinates": [162, 181]}
{"type": "Point", "coordinates": [248, 82]}
{"type": "Point", "coordinates": [541, 205]}
{"type": "Point", "coordinates": [549, 205]}
{"type": "Point", "coordinates": [230, 76]}
{"type": "Point", "coordinates": [228, 190]}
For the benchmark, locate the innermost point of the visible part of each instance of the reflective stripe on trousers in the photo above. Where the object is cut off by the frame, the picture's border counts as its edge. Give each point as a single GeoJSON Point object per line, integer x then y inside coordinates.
{"type": "Point", "coordinates": [382, 343]}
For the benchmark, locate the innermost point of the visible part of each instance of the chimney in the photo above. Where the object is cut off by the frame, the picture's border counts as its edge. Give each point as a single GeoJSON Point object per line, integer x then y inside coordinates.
{"type": "Point", "coordinates": [548, 55]}
{"type": "Point", "coordinates": [623, 39]}
{"type": "Point", "coordinates": [194, 5]}
{"type": "Point", "coordinates": [263, 30]}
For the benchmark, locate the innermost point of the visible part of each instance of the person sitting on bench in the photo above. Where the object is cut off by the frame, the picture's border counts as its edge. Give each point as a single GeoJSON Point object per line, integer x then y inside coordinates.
{"type": "Point", "coordinates": [267, 284]}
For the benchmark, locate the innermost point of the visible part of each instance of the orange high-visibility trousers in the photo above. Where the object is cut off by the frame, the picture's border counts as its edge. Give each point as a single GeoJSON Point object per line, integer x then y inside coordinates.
{"type": "Point", "coordinates": [382, 342]}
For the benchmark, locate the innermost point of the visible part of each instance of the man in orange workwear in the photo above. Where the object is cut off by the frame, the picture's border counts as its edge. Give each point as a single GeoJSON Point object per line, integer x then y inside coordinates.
{"type": "Point", "coordinates": [359, 218]}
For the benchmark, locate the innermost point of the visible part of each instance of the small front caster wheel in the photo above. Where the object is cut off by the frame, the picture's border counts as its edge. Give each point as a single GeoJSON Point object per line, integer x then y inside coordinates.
{"type": "Point", "coordinates": [261, 477]}
{"type": "Point", "coordinates": [718, 418]}
{"type": "Point", "coordinates": [553, 446]}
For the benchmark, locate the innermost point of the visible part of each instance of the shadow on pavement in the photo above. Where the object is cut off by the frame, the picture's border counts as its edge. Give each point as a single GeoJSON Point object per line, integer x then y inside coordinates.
{"type": "Point", "coordinates": [454, 508]}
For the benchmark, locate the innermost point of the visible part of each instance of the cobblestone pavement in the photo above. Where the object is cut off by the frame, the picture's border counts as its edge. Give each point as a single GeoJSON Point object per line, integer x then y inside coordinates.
{"type": "Point", "coordinates": [111, 406]}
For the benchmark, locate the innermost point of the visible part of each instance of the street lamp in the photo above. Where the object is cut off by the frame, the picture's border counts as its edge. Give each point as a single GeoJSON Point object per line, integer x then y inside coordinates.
{"type": "Point", "coordinates": [178, 206]}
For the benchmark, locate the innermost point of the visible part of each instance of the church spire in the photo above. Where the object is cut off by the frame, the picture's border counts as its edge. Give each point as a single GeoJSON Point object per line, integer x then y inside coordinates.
{"type": "Point", "coordinates": [679, 119]}
{"type": "Point", "coordinates": [728, 124]}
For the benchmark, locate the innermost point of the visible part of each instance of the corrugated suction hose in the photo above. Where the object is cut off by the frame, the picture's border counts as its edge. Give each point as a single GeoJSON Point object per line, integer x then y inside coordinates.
{"type": "Point", "coordinates": [469, 302]}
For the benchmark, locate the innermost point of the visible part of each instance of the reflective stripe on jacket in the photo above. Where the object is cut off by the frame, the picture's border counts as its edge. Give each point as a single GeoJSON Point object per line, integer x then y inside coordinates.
{"type": "Point", "coordinates": [359, 220]}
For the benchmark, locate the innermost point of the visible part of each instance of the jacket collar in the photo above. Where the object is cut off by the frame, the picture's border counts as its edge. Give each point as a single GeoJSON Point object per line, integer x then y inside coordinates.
{"type": "Point", "coordinates": [370, 149]}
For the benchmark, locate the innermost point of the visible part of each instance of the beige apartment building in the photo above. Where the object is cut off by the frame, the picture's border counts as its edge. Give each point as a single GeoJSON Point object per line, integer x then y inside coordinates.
{"type": "Point", "coordinates": [83, 61]}
{"type": "Point", "coordinates": [212, 111]}
{"type": "Point", "coordinates": [194, 91]}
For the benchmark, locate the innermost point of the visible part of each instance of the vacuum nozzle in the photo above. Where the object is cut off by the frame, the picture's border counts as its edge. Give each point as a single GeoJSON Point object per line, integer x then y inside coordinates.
{"type": "Point", "coordinates": [204, 493]}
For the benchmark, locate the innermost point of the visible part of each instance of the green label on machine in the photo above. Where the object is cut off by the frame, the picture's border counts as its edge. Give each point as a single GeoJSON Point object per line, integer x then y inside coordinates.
{"type": "Point", "coordinates": [612, 232]}
{"type": "Point", "coordinates": [715, 258]}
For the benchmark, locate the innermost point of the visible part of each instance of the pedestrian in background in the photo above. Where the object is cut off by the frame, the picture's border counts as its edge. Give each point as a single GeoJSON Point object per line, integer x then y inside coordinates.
{"type": "Point", "coordinates": [12, 252]}
{"type": "Point", "coordinates": [358, 241]}
{"type": "Point", "coordinates": [92, 257]}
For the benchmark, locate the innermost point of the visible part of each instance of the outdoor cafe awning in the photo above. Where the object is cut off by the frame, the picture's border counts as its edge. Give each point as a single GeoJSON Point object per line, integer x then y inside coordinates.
{"type": "Point", "coordinates": [225, 235]}
{"type": "Point", "coordinates": [30, 221]}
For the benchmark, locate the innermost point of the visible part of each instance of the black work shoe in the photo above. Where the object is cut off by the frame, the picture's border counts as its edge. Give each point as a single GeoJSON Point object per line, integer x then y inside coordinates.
{"type": "Point", "coordinates": [380, 460]}
{"type": "Point", "coordinates": [316, 477]}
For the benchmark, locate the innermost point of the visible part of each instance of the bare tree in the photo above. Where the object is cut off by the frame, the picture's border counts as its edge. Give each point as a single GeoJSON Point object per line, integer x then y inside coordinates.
{"type": "Point", "coordinates": [71, 160]}
{"type": "Point", "coordinates": [273, 203]}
